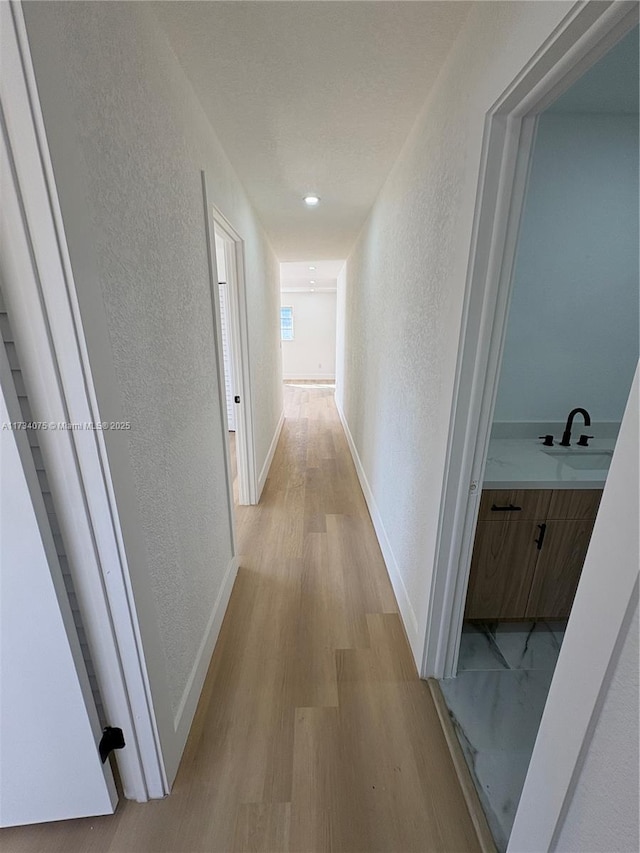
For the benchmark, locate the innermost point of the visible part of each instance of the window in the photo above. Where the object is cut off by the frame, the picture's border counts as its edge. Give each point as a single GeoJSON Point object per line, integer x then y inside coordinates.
{"type": "Point", "coordinates": [286, 323]}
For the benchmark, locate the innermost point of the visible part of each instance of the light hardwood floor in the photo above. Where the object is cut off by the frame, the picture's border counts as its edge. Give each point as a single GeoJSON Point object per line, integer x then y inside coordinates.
{"type": "Point", "coordinates": [314, 732]}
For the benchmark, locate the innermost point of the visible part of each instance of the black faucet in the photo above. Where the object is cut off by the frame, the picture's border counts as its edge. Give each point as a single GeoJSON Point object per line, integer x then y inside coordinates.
{"type": "Point", "coordinates": [566, 435]}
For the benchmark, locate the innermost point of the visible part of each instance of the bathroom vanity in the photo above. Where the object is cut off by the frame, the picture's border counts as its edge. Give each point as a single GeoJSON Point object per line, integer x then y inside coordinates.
{"type": "Point", "coordinates": [536, 515]}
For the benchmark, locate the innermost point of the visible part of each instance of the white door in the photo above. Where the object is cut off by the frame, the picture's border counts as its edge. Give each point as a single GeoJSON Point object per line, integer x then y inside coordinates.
{"type": "Point", "coordinates": [50, 768]}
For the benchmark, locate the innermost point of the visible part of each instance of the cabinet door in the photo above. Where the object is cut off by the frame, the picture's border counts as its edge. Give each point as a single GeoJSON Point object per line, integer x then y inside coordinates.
{"type": "Point", "coordinates": [558, 569]}
{"type": "Point", "coordinates": [502, 567]}
{"type": "Point", "coordinates": [574, 503]}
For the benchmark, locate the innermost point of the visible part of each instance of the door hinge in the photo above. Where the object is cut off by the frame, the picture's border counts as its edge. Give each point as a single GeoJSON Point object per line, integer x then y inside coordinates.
{"type": "Point", "coordinates": [112, 738]}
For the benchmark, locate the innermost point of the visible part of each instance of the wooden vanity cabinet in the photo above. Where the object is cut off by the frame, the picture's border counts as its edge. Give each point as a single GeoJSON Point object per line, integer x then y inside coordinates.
{"type": "Point", "coordinates": [512, 577]}
{"type": "Point", "coordinates": [507, 527]}
{"type": "Point", "coordinates": [569, 526]}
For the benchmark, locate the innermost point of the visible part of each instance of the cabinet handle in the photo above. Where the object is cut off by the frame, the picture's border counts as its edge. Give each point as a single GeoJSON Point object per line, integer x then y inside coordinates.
{"type": "Point", "coordinates": [510, 508]}
{"type": "Point", "coordinates": [543, 529]}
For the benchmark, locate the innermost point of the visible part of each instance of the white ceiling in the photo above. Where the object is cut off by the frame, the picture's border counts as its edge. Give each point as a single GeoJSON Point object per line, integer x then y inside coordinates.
{"type": "Point", "coordinates": [312, 97]}
{"type": "Point", "coordinates": [297, 276]}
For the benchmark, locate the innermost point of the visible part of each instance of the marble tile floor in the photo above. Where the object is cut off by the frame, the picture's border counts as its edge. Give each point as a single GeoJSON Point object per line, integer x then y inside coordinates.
{"type": "Point", "coordinates": [496, 703]}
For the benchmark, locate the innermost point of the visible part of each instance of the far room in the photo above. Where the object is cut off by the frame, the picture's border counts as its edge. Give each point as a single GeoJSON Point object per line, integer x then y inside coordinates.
{"type": "Point", "coordinates": [308, 320]}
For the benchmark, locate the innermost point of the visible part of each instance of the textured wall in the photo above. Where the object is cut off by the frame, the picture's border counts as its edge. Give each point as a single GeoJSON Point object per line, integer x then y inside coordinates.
{"type": "Point", "coordinates": [312, 352]}
{"type": "Point", "coordinates": [405, 286]}
{"type": "Point", "coordinates": [572, 334]}
{"type": "Point", "coordinates": [128, 140]}
{"type": "Point", "coordinates": [603, 814]}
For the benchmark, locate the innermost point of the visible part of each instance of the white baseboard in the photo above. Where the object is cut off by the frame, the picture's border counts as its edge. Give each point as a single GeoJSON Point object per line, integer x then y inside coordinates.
{"type": "Point", "coordinates": [407, 612]}
{"type": "Point", "coordinates": [262, 479]}
{"type": "Point", "coordinates": [307, 377]}
{"type": "Point", "coordinates": [188, 703]}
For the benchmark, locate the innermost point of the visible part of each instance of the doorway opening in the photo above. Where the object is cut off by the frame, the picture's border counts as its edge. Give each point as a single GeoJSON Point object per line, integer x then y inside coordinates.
{"type": "Point", "coordinates": [308, 321]}
{"type": "Point", "coordinates": [230, 313]}
{"type": "Point", "coordinates": [565, 350]}
{"type": "Point", "coordinates": [229, 347]}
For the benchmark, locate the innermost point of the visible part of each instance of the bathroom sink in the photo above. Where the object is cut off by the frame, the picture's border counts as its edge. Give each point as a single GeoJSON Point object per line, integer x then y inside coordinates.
{"type": "Point", "coordinates": [583, 460]}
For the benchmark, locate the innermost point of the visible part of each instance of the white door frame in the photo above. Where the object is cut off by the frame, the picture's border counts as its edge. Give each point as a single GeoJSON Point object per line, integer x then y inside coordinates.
{"type": "Point", "coordinates": [238, 337]}
{"type": "Point", "coordinates": [585, 35]}
{"type": "Point", "coordinates": [41, 299]}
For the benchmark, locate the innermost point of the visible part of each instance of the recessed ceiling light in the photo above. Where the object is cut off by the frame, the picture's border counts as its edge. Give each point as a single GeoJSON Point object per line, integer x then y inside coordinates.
{"type": "Point", "coordinates": [311, 268]}
{"type": "Point", "coordinates": [312, 290]}
{"type": "Point", "coordinates": [311, 200]}
{"type": "Point", "coordinates": [312, 281]}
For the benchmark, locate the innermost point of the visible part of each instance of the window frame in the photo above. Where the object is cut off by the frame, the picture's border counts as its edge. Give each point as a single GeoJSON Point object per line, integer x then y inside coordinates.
{"type": "Point", "coordinates": [282, 329]}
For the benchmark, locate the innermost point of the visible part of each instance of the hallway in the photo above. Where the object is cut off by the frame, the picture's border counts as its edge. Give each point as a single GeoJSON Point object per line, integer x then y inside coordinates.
{"type": "Point", "coordinates": [313, 731]}
{"type": "Point", "coordinates": [268, 678]}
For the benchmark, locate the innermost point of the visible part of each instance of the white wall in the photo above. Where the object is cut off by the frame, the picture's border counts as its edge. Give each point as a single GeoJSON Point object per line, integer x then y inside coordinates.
{"type": "Point", "coordinates": [603, 814]}
{"type": "Point", "coordinates": [572, 334]}
{"type": "Point", "coordinates": [128, 140]}
{"type": "Point", "coordinates": [404, 294]}
{"type": "Point", "coordinates": [312, 352]}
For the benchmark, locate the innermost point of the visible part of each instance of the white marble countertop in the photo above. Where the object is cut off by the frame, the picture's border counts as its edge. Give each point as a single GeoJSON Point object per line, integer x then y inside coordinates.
{"type": "Point", "coordinates": [525, 463]}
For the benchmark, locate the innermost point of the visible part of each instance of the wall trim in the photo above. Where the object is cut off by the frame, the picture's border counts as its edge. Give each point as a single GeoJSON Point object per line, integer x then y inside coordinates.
{"type": "Point", "coordinates": [316, 377]}
{"type": "Point", "coordinates": [264, 473]}
{"type": "Point", "coordinates": [308, 290]}
{"type": "Point", "coordinates": [189, 701]}
{"type": "Point", "coordinates": [407, 612]}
